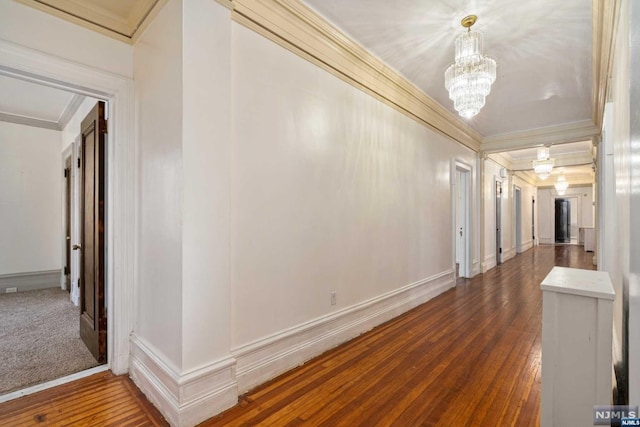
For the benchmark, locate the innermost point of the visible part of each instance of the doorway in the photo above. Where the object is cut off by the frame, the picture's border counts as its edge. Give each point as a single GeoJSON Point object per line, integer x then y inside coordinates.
{"type": "Point", "coordinates": [498, 198]}
{"type": "Point", "coordinates": [462, 220]}
{"type": "Point", "coordinates": [120, 193]}
{"type": "Point", "coordinates": [517, 200]}
{"type": "Point", "coordinates": [45, 343]}
{"type": "Point", "coordinates": [563, 220]}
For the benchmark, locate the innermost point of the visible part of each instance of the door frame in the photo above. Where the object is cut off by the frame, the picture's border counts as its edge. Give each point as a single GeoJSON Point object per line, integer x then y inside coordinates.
{"type": "Point", "coordinates": [49, 70]}
{"type": "Point", "coordinates": [517, 217]}
{"type": "Point", "coordinates": [466, 269]}
{"type": "Point", "coordinates": [497, 218]}
{"type": "Point", "coordinates": [68, 156]}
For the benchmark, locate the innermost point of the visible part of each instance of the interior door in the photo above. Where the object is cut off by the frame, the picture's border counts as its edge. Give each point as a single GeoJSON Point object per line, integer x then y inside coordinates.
{"type": "Point", "coordinates": [67, 225]}
{"type": "Point", "coordinates": [498, 222]}
{"type": "Point", "coordinates": [563, 221]}
{"type": "Point", "coordinates": [93, 314]}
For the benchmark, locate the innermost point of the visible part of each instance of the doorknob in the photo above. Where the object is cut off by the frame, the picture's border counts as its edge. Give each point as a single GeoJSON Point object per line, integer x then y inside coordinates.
{"type": "Point", "coordinates": [76, 247]}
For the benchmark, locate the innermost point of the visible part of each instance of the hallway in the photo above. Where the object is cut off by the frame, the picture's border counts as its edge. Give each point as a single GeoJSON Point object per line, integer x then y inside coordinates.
{"type": "Point", "coordinates": [470, 356]}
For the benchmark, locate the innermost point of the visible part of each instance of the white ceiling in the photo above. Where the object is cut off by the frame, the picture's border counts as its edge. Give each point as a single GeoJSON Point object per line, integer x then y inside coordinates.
{"type": "Point", "coordinates": [33, 104]}
{"type": "Point", "coordinates": [542, 47]}
{"type": "Point", "coordinates": [117, 18]}
{"type": "Point", "coordinates": [554, 151]}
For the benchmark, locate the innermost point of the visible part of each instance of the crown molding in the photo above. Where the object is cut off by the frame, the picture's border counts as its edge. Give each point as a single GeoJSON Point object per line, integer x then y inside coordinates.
{"type": "Point", "coordinates": [28, 121]}
{"type": "Point", "coordinates": [526, 177]}
{"type": "Point", "coordinates": [560, 160]}
{"type": "Point", "coordinates": [296, 27]}
{"type": "Point", "coordinates": [60, 124]}
{"type": "Point", "coordinates": [605, 19]}
{"type": "Point", "coordinates": [70, 110]}
{"type": "Point", "coordinates": [559, 134]}
{"type": "Point", "coordinates": [501, 160]}
{"type": "Point", "coordinates": [95, 18]}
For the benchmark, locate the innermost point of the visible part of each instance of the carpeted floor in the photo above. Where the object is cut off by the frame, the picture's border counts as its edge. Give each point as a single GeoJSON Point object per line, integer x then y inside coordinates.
{"type": "Point", "coordinates": [39, 339]}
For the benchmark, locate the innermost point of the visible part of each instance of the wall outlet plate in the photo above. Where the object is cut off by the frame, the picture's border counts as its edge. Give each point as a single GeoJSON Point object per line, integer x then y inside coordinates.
{"type": "Point", "coordinates": [11, 290]}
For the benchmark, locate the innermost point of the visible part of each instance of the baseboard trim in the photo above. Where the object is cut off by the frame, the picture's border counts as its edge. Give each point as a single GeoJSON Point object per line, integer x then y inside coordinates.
{"type": "Point", "coordinates": [476, 269]}
{"type": "Point", "coordinates": [30, 281]}
{"type": "Point", "coordinates": [489, 263]}
{"type": "Point", "coordinates": [527, 245]}
{"type": "Point", "coordinates": [265, 358]}
{"type": "Point", "coordinates": [508, 254]}
{"type": "Point", "coordinates": [187, 398]}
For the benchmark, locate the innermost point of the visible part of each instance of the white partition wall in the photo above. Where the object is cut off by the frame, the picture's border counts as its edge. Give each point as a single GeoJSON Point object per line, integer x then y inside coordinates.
{"type": "Point", "coordinates": [577, 318]}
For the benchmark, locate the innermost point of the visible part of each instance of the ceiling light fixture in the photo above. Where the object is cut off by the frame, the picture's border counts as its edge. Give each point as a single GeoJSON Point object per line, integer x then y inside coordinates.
{"type": "Point", "coordinates": [470, 77]}
{"type": "Point", "coordinates": [543, 165]}
{"type": "Point", "coordinates": [561, 185]}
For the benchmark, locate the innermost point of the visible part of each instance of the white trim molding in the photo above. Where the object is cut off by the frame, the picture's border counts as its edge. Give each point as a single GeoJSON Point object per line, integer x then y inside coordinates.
{"type": "Point", "coordinates": [188, 398]}
{"type": "Point", "coordinates": [560, 134]}
{"type": "Point", "coordinates": [296, 27]}
{"type": "Point", "coordinates": [508, 254]}
{"type": "Point", "coordinates": [265, 358]}
{"type": "Point", "coordinates": [489, 263]}
{"type": "Point", "coordinates": [31, 65]}
{"type": "Point", "coordinates": [30, 281]}
{"type": "Point", "coordinates": [527, 245]}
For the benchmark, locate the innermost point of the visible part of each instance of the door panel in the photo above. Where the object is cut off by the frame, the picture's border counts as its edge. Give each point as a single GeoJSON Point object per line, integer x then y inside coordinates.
{"type": "Point", "coordinates": [498, 222]}
{"type": "Point", "coordinates": [93, 315]}
{"type": "Point", "coordinates": [67, 225]}
{"type": "Point", "coordinates": [563, 221]}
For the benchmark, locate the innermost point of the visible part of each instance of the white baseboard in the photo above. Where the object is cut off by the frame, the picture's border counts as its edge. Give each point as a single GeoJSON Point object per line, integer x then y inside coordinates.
{"type": "Point", "coordinates": [489, 263]}
{"type": "Point", "coordinates": [265, 358]}
{"type": "Point", "coordinates": [188, 398]}
{"type": "Point", "coordinates": [30, 281]}
{"type": "Point", "coordinates": [476, 268]}
{"type": "Point", "coordinates": [546, 241]}
{"type": "Point", "coordinates": [527, 245]}
{"type": "Point", "coordinates": [508, 254]}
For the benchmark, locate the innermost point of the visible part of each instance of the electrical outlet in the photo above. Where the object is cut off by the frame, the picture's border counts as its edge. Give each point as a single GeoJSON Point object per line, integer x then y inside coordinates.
{"type": "Point", "coordinates": [334, 298]}
{"type": "Point", "coordinates": [11, 290]}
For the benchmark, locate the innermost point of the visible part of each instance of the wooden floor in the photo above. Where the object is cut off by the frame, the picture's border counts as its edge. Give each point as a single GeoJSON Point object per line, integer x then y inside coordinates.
{"type": "Point", "coordinates": [468, 357]}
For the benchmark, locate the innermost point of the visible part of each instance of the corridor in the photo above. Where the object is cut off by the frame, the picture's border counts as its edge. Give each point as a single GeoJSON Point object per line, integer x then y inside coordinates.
{"type": "Point", "coordinates": [470, 356]}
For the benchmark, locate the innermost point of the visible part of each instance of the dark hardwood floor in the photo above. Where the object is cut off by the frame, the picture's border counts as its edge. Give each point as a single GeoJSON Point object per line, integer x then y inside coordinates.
{"type": "Point", "coordinates": [471, 357]}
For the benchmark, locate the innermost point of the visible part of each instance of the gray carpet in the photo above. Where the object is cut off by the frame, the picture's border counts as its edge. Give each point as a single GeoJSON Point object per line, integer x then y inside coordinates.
{"type": "Point", "coordinates": [39, 339]}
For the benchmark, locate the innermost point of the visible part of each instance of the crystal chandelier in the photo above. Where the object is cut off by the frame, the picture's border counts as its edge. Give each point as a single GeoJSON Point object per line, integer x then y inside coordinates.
{"type": "Point", "coordinates": [544, 165]}
{"type": "Point", "coordinates": [561, 185]}
{"type": "Point", "coordinates": [470, 77]}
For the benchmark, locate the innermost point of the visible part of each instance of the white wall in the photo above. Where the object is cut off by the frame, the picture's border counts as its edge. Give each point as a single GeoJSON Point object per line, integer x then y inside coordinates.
{"type": "Point", "coordinates": [620, 178]}
{"type": "Point", "coordinates": [30, 188]}
{"type": "Point", "coordinates": [331, 191]}
{"type": "Point", "coordinates": [38, 30]}
{"type": "Point", "coordinates": [582, 204]}
{"type": "Point", "coordinates": [158, 76]}
{"type": "Point", "coordinates": [527, 193]}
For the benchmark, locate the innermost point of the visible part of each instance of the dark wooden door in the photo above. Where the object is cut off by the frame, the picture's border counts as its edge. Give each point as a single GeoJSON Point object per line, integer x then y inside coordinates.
{"type": "Point", "coordinates": [67, 224]}
{"type": "Point", "coordinates": [498, 222]}
{"type": "Point", "coordinates": [93, 314]}
{"type": "Point", "coordinates": [563, 221]}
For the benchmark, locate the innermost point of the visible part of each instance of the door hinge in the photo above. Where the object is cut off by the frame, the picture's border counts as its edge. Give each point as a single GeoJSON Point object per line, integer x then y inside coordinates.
{"type": "Point", "coordinates": [66, 270]}
{"type": "Point", "coordinates": [500, 250]}
{"type": "Point", "coordinates": [78, 162]}
{"type": "Point", "coordinates": [66, 173]}
{"type": "Point", "coordinates": [103, 125]}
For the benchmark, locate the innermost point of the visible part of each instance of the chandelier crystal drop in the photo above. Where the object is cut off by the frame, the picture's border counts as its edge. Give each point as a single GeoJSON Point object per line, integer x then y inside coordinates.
{"type": "Point", "coordinates": [544, 165]}
{"type": "Point", "coordinates": [561, 185]}
{"type": "Point", "coordinates": [470, 77]}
